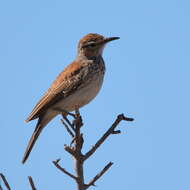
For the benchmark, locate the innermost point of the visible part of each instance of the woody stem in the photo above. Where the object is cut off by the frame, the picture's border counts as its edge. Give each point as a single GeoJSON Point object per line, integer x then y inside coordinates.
{"type": "Point", "coordinates": [78, 154]}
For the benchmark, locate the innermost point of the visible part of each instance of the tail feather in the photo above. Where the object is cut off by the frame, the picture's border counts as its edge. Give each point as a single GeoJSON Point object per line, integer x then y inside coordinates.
{"type": "Point", "coordinates": [32, 141]}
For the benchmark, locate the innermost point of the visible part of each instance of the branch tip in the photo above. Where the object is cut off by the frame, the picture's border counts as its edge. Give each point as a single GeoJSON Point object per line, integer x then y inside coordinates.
{"type": "Point", "coordinates": [31, 183]}
{"type": "Point", "coordinates": [122, 117]}
{"type": "Point", "coordinates": [116, 132]}
{"type": "Point", "coordinates": [92, 182]}
{"type": "Point", "coordinates": [5, 181]}
{"type": "Point", "coordinates": [110, 131]}
{"type": "Point", "coordinates": [57, 161]}
{"type": "Point", "coordinates": [64, 170]}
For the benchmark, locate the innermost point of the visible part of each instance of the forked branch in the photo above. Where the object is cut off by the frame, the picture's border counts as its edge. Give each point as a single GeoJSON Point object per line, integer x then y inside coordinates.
{"type": "Point", "coordinates": [110, 131]}
{"type": "Point", "coordinates": [75, 149]}
{"type": "Point", "coordinates": [56, 163]}
{"type": "Point", "coordinates": [92, 182]}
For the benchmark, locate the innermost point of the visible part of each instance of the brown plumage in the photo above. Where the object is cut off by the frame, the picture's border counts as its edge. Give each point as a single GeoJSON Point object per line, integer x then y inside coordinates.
{"type": "Point", "coordinates": [74, 87]}
{"type": "Point", "coordinates": [52, 95]}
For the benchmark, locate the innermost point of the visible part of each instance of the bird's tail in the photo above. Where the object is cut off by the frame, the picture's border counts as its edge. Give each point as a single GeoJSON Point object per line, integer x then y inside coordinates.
{"type": "Point", "coordinates": [32, 141]}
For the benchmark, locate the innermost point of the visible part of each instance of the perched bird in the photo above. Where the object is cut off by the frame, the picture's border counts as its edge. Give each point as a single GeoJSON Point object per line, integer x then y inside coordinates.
{"type": "Point", "coordinates": [74, 87]}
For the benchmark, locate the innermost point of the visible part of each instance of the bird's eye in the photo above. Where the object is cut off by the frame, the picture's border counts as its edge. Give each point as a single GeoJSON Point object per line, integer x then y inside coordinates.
{"type": "Point", "coordinates": [91, 45]}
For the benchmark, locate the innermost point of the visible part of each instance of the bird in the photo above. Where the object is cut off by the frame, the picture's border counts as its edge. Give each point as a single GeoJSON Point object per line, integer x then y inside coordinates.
{"type": "Point", "coordinates": [74, 87]}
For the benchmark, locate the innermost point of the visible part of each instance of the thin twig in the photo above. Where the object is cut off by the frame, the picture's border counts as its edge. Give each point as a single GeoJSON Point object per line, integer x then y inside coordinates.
{"type": "Point", "coordinates": [106, 134]}
{"type": "Point", "coordinates": [116, 132]}
{"type": "Point", "coordinates": [63, 169]}
{"type": "Point", "coordinates": [70, 150]}
{"type": "Point", "coordinates": [92, 182]}
{"type": "Point", "coordinates": [1, 187]}
{"type": "Point", "coordinates": [5, 181]}
{"type": "Point", "coordinates": [69, 123]}
{"type": "Point", "coordinates": [31, 183]}
{"type": "Point", "coordinates": [67, 128]}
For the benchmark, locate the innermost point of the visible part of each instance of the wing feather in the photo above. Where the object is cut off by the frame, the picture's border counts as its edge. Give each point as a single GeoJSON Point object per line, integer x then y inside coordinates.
{"type": "Point", "coordinates": [66, 81]}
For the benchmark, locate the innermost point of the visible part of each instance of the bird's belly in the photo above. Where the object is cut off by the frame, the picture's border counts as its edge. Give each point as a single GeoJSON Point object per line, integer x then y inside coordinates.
{"type": "Point", "coordinates": [82, 96]}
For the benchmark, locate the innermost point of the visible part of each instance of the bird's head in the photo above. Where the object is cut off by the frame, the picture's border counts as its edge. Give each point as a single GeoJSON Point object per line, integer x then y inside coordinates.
{"type": "Point", "coordinates": [93, 44]}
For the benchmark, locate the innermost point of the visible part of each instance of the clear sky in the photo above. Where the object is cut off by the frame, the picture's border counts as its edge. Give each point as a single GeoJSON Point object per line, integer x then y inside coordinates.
{"type": "Point", "coordinates": [147, 78]}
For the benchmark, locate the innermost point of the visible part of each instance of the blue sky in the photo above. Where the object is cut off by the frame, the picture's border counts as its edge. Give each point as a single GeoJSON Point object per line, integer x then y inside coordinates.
{"type": "Point", "coordinates": [147, 78]}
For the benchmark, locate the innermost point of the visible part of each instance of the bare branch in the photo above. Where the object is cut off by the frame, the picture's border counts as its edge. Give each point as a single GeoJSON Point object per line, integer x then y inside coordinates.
{"type": "Point", "coordinates": [1, 187]}
{"type": "Point", "coordinates": [92, 182]}
{"type": "Point", "coordinates": [116, 132]}
{"type": "Point", "coordinates": [75, 148]}
{"type": "Point", "coordinates": [70, 150]}
{"type": "Point", "coordinates": [69, 123]}
{"type": "Point", "coordinates": [56, 163]}
{"type": "Point", "coordinates": [110, 131]}
{"type": "Point", "coordinates": [5, 181]}
{"type": "Point", "coordinates": [67, 128]}
{"type": "Point", "coordinates": [31, 183]}
{"type": "Point", "coordinates": [78, 143]}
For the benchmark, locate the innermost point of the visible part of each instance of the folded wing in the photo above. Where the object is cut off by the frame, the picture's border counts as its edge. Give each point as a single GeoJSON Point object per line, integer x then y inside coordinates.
{"type": "Point", "coordinates": [67, 81]}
